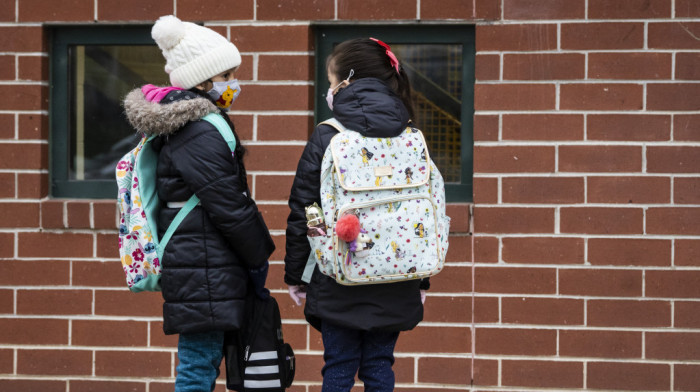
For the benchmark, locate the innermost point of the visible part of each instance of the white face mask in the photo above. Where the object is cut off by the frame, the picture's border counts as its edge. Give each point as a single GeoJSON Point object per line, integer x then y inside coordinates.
{"type": "Point", "coordinates": [224, 93]}
{"type": "Point", "coordinates": [331, 90]}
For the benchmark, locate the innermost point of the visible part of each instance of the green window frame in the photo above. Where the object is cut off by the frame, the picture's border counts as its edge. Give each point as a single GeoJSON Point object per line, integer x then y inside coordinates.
{"type": "Point", "coordinates": [63, 39]}
{"type": "Point", "coordinates": [328, 35]}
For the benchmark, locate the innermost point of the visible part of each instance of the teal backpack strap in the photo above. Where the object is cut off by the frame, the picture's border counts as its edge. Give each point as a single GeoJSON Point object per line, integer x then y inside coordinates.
{"type": "Point", "coordinates": [225, 131]}
{"type": "Point", "coordinates": [222, 126]}
{"type": "Point", "coordinates": [189, 206]}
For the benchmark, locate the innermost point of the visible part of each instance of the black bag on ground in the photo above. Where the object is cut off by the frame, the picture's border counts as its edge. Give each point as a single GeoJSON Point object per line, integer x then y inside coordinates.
{"type": "Point", "coordinates": [257, 358]}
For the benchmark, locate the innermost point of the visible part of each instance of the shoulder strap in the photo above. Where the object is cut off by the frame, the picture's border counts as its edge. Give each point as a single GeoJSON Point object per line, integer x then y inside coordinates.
{"type": "Point", "coordinates": [189, 206]}
{"type": "Point", "coordinates": [335, 124]}
{"type": "Point", "coordinates": [222, 126]}
{"type": "Point", "coordinates": [225, 131]}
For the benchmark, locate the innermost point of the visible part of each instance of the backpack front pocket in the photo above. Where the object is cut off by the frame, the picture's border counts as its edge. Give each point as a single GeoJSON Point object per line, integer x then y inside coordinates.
{"type": "Point", "coordinates": [398, 241]}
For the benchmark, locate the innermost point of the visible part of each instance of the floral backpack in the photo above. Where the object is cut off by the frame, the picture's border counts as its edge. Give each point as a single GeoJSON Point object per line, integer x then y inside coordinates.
{"type": "Point", "coordinates": [382, 215]}
{"type": "Point", "coordinates": [140, 249]}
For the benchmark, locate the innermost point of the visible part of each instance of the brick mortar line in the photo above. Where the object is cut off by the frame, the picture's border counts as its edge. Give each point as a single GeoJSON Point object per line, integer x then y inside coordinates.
{"type": "Point", "coordinates": [588, 267]}
{"type": "Point", "coordinates": [515, 22]}
{"type": "Point", "coordinates": [581, 112]}
{"type": "Point", "coordinates": [494, 388]}
{"type": "Point", "coordinates": [589, 205]}
{"type": "Point", "coordinates": [586, 298]}
{"type": "Point", "coordinates": [585, 359]}
{"type": "Point", "coordinates": [24, 82]}
{"type": "Point", "coordinates": [579, 174]}
{"type": "Point", "coordinates": [25, 141]}
{"type": "Point", "coordinates": [582, 82]}
{"type": "Point", "coordinates": [582, 51]}
{"type": "Point", "coordinates": [565, 143]}
{"type": "Point", "coordinates": [33, 112]}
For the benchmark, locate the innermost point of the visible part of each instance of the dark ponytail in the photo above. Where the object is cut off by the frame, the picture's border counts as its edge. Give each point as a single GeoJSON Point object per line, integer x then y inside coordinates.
{"type": "Point", "coordinates": [369, 60]}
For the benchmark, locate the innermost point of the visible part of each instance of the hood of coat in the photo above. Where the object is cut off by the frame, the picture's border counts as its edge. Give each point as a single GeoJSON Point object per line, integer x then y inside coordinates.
{"type": "Point", "coordinates": [167, 116]}
{"type": "Point", "coordinates": [370, 107]}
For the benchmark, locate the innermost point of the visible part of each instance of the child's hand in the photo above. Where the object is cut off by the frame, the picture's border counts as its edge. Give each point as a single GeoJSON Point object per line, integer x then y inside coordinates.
{"type": "Point", "coordinates": [297, 293]}
{"type": "Point", "coordinates": [422, 296]}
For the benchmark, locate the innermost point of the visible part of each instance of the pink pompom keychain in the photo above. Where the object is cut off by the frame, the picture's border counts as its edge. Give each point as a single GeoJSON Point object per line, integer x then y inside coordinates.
{"type": "Point", "coordinates": [348, 229]}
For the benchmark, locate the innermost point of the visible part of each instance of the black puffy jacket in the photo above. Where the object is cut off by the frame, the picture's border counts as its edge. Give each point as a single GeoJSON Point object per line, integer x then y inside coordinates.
{"type": "Point", "coordinates": [370, 107]}
{"type": "Point", "coordinates": [206, 262]}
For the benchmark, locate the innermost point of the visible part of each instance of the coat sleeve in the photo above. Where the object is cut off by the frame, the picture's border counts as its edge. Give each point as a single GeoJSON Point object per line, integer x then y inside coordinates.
{"type": "Point", "coordinates": [205, 162]}
{"type": "Point", "coordinates": [306, 190]}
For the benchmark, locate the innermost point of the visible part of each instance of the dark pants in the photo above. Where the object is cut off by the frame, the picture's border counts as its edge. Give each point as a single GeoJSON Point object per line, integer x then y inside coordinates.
{"type": "Point", "coordinates": [350, 351]}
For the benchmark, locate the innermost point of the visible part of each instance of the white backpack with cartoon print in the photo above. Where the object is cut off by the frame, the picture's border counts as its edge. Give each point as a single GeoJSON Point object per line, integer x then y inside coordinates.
{"type": "Point", "coordinates": [398, 195]}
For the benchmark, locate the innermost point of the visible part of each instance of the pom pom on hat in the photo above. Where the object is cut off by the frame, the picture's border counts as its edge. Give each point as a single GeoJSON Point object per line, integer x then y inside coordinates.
{"type": "Point", "coordinates": [193, 53]}
{"type": "Point", "coordinates": [168, 32]}
{"type": "Point", "coordinates": [348, 227]}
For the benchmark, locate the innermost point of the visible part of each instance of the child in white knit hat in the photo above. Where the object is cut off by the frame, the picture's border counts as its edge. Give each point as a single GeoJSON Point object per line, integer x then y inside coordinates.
{"type": "Point", "coordinates": [198, 57]}
{"type": "Point", "coordinates": [222, 246]}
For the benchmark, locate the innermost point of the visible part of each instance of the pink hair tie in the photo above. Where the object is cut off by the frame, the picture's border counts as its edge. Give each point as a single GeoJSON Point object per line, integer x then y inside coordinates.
{"type": "Point", "coordinates": [392, 58]}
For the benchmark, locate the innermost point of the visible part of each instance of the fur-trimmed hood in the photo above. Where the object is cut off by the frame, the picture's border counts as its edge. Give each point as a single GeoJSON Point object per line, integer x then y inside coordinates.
{"type": "Point", "coordinates": [160, 118]}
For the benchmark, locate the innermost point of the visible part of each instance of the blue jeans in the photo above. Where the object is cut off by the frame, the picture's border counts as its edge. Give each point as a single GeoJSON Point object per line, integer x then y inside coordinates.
{"type": "Point", "coordinates": [199, 355]}
{"type": "Point", "coordinates": [349, 351]}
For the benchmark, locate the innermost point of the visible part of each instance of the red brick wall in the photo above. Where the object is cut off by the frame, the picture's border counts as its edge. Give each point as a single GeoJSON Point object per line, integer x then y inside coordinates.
{"type": "Point", "coordinates": [586, 201]}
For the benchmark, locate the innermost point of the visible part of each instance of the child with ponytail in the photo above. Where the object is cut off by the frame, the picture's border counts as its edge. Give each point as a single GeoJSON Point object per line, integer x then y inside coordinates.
{"type": "Point", "coordinates": [370, 93]}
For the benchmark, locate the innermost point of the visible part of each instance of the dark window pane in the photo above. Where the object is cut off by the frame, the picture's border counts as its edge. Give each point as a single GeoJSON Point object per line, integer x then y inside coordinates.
{"type": "Point", "coordinates": [435, 72]}
{"type": "Point", "coordinates": [101, 75]}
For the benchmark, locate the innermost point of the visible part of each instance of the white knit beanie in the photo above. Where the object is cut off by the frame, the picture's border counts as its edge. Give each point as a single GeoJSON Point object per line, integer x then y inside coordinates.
{"type": "Point", "coordinates": [193, 53]}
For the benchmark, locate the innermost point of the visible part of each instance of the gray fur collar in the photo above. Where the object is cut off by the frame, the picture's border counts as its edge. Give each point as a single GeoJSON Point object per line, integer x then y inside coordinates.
{"type": "Point", "coordinates": [153, 118]}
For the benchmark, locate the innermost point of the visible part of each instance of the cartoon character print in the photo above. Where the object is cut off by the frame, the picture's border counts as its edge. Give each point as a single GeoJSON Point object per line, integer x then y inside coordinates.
{"type": "Point", "coordinates": [419, 229]}
{"type": "Point", "coordinates": [398, 253]}
{"type": "Point", "coordinates": [395, 206]}
{"type": "Point", "coordinates": [126, 197]}
{"type": "Point", "coordinates": [122, 229]}
{"type": "Point", "coordinates": [409, 175]}
{"type": "Point", "coordinates": [149, 248]}
{"type": "Point", "coordinates": [366, 156]}
{"type": "Point", "coordinates": [226, 98]}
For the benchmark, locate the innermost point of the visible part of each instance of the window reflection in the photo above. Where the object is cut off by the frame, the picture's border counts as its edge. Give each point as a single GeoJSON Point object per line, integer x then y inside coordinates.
{"type": "Point", "coordinates": [435, 72]}
{"type": "Point", "coordinates": [101, 75]}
